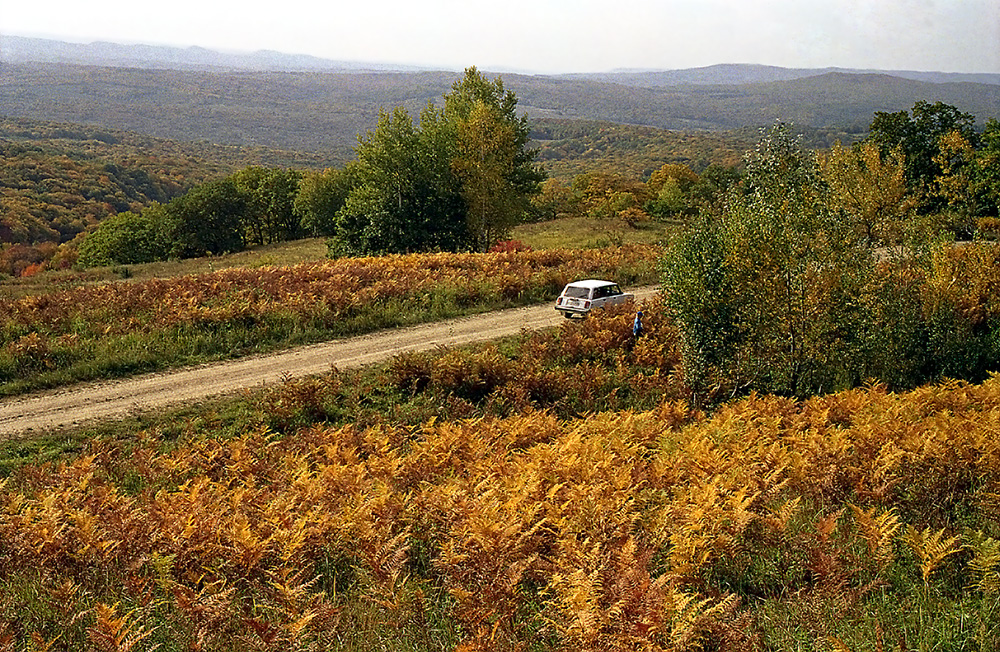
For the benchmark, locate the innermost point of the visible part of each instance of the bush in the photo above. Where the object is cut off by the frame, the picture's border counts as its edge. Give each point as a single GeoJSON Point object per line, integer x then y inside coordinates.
{"type": "Point", "coordinates": [125, 239]}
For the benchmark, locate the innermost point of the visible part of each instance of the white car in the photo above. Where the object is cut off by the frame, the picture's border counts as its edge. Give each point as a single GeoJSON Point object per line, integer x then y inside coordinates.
{"type": "Point", "coordinates": [580, 297]}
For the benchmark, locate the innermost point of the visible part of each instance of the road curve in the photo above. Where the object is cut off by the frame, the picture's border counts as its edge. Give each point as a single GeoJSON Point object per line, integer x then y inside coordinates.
{"type": "Point", "coordinates": [77, 405]}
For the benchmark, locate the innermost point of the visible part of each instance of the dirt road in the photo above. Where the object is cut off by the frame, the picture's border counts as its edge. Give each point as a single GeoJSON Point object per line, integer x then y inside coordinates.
{"type": "Point", "coordinates": [77, 405]}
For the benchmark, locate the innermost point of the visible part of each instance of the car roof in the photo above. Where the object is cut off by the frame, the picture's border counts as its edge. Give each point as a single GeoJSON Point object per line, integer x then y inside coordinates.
{"type": "Point", "coordinates": [591, 283]}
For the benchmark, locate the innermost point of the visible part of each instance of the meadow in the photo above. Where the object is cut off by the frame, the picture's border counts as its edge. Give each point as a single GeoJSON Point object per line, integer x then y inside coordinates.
{"type": "Point", "coordinates": [114, 329]}
{"type": "Point", "coordinates": [864, 519]}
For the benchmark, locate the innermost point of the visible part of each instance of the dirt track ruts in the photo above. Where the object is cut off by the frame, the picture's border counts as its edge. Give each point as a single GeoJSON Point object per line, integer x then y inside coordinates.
{"type": "Point", "coordinates": [77, 405]}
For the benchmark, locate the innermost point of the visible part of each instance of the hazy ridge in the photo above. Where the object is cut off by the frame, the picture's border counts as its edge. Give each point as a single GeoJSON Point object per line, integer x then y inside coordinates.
{"type": "Point", "coordinates": [294, 102]}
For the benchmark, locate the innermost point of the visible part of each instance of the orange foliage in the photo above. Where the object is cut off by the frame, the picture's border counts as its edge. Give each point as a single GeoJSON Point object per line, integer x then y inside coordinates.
{"type": "Point", "coordinates": [606, 532]}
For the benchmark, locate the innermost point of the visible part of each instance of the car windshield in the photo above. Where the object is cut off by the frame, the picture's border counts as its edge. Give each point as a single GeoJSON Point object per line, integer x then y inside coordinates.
{"type": "Point", "coordinates": [576, 292]}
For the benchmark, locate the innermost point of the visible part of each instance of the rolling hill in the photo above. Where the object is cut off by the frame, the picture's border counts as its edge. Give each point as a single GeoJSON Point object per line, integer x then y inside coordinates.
{"type": "Point", "coordinates": [305, 107]}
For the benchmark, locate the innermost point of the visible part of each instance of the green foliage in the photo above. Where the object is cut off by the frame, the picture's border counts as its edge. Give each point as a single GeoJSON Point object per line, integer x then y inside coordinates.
{"type": "Point", "coordinates": [809, 279]}
{"type": "Point", "coordinates": [768, 295]}
{"type": "Point", "coordinates": [986, 170]}
{"type": "Point", "coordinates": [127, 238]}
{"type": "Point", "coordinates": [406, 198]}
{"type": "Point", "coordinates": [253, 206]}
{"type": "Point", "coordinates": [917, 134]}
{"type": "Point", "coordinates": [208, 220]}
{"type": "Point", "coordinates": [321, 195]}
{"type": "Point", "coordinates": [59, 181]}
{"type": "Point", "coordinates": [458, 181]}
{"type": "Point", "coordinates": [700, 296]}
{"type": "Point", "coordinates": [492, 158]}
{"type": "Point", "coordinates": [570, 148]}
{"type": "Point", "coordinates": [269, 196]}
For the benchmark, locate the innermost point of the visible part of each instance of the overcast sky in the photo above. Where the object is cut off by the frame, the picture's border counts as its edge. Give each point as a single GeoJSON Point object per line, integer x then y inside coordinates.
{"type": "Point", "coordinates": [548, 36]}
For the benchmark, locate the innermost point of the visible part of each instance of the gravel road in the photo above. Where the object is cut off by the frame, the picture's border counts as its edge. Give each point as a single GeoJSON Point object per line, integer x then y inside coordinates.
{"type": "Point", "coordinates": [77, 405]}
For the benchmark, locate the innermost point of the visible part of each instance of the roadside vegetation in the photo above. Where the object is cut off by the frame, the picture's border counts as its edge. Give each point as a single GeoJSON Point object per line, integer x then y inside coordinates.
{"type": "Point", "coordinates": [484, 499]}
{"type": "Point", "coordinates": [119, 329]}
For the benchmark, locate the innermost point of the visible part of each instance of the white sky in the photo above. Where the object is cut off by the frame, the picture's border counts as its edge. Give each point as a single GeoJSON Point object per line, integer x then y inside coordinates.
{"type": "Point", "coordinates": [548, 36]}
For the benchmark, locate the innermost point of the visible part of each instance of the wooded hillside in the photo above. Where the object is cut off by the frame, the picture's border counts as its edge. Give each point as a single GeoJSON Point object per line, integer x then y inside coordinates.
{"type": "Point", "coordinates": [322, 112]}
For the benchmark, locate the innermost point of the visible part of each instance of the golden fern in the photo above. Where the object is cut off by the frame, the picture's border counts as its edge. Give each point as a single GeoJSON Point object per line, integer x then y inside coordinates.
{"type": "Point", "coordinates": [687, 615]}
{"type": "Point", "coordinates": [878, 531]}
{"type": "Point", "coordinates": [781, 517]}
{"type": "Point", "coordinates": [985, 562]}
{"type": "Point", "coordinates": [930, 548]}
{"type": "Point", "coordinates": [836, 645]}
{"type": "Point", "coordinates": [114, 633]}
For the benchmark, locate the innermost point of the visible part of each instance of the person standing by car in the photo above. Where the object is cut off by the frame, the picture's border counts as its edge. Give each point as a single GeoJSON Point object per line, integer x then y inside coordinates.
{"type": "Point", "coordinates": [637, 325]}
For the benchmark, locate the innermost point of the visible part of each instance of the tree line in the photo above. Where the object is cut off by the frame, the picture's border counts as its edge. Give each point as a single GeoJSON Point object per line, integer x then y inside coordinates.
{"type": "Point", "coordinates": [458, 179]}
{"type": "Point", "coordinates": [59, 181]}
{"type": "Point", "coordinates": [463, 175]}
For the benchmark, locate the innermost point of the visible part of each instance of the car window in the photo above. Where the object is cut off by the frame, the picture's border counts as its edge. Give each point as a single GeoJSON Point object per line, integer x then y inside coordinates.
{"type": "Point", "coordinates": [576, 292]}
{"type": "Point", "coordinates": [613, 290]}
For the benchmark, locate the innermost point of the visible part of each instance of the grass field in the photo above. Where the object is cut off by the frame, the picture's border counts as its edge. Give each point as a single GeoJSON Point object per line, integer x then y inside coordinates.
{"type": "Point", "coordinates": [590, 232]}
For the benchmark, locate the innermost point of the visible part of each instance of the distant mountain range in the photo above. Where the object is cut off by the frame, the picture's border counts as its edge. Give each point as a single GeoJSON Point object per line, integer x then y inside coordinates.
{"type": "Point", "coordinates": [312, 105]}
{"type": "Point", "coordinates": [734, 73]}
{"type": "Point", "coordinates": [19, 49]}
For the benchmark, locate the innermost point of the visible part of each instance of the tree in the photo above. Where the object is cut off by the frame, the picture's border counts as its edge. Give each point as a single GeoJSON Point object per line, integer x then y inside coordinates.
{"type": "Point", "coordinates": [986, 169]}
{"type": "Point", "coordinates": [766, 294]}
{"type": "Point", "coordinates": [602, 195]}
{"type": "Point", "coordinates": [712, 184]}
{"type": "Point", "coordinates": [484, 163]}
{"type": "Point", "coordinates": [320, 197]}
{"type": "Point", "coordinates": [670, 186]}
{"type": "Point", "coordinates": [554, 200]}
{"type": "Point", "coordinates": [682, 175]}
{"type": "Point", "coordinates": [491, 156]}
{"type": "Point", "coordinates": [208, 219]}
{"type": "Point", "coordinates": [458, 181]}
{"type": "Point", "coordinates": [268, 195]}
{"type": "Point", "coordinates": [126, 239]}
{"type": "Point", "coordinates": [917, 135]}
{"type": "Point", "coordinates": [869, 187]}
{"type": "Point", "coordinates": [406, 198]}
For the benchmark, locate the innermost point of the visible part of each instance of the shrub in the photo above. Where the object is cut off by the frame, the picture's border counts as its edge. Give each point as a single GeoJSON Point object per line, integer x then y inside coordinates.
{"type": "Point", "coordinates": [126, 239]}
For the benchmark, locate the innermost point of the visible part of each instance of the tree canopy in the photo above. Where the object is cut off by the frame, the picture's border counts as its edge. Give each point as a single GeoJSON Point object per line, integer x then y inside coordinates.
{"type": "Point", "coordinates": [460, 179]}
{"type": "Point", "coordinates": [917, 134]}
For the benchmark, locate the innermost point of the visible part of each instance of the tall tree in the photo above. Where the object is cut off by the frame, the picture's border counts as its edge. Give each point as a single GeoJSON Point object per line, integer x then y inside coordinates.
{"type": "Point", "coordinates": [485, 164]}
{"type": "Point", "coordinates": [269, 195]}
{"type": "Point", "coordinates": [459, 180]}
{"type": "Point", "coordinates": [491, 156]}
{"type": "Point", "coordinates": [208, 219]}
